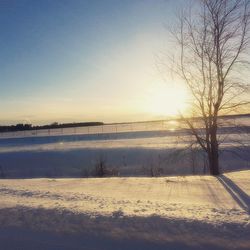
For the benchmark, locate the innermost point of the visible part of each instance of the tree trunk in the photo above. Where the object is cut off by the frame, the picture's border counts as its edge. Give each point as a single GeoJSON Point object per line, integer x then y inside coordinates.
{"type": "Point", "coordinates": [214, 163]}
{"type": "Point", "coordinates": [213, 156]}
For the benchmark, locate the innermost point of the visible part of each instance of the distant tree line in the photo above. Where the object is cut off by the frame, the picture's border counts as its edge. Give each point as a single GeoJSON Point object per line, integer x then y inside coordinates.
{"type": "Point", "coordinates": [24, 127]}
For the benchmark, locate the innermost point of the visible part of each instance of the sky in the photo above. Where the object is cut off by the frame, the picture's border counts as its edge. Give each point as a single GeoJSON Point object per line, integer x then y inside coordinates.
{"type": "Point", "coordinates": [85, 60]}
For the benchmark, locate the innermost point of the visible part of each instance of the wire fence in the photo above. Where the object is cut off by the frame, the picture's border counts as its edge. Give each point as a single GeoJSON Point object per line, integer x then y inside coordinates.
{"type": "Point", "coordinates": [100, 129]}
{"type": "Point", "coordinates": [169, 125]}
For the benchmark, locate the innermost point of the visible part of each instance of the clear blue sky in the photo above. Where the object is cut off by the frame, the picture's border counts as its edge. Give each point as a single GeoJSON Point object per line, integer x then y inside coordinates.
{"type": "Point", "coordinates": [72, 60]}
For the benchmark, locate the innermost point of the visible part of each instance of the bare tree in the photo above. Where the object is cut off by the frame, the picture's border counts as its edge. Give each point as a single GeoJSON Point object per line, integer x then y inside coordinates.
{"type": "Point", "coordinates": [213, 37]}
{"type": "Point", "coordinates": [101, 167]}
{"type": "Point", "coordinates": [2, 175]}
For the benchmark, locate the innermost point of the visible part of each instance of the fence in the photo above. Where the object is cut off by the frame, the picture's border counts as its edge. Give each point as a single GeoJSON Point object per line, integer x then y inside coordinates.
{"type": "Point", "coordinates": [113, 128]}
{"type": "Point", "coordinates": [100, 129]}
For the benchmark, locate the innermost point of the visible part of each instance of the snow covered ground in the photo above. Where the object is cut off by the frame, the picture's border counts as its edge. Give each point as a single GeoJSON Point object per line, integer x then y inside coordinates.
{"type": "Point", "coordinates": [129, 153]}
{"type": "Point", "coordinates": [192, 212]}
{"type": "Point", "coordinates": [130, 149]}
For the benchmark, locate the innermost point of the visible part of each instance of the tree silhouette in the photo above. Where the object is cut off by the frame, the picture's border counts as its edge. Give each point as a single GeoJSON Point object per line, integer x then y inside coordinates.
{"type": "Point", "coordinates": [213, 37]}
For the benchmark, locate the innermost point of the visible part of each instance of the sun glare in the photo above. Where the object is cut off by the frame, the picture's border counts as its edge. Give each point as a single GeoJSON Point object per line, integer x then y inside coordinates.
{"type": "Point", "coordinates": [167, 100]}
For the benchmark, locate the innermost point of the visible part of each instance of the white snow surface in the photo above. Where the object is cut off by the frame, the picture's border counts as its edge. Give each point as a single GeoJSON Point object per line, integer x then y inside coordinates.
{"type": "Point", "coordinates": [182, 212]}
{"type": "Point", "coordinates": [129, 149]}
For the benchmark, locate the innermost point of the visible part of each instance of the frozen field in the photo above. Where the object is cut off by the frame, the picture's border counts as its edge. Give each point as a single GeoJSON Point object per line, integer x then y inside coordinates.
{"type": "Point", "coordinates": [128, 152]}
{"type": "Point", "coordinates": [195, 212]}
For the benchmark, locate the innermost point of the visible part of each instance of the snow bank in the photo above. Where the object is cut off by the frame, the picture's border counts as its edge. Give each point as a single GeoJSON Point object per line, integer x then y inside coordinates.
{"type": "Point", "coordinates": [186, 212]}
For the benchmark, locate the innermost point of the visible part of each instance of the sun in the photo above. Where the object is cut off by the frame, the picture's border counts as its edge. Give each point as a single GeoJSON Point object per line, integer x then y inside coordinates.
{"type": "Point", "coordinates": [167, 100]}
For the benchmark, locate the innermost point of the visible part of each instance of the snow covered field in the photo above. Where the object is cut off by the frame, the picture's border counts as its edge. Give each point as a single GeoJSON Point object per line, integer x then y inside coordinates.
{"type": "Point", "coordinates": [192, 212]}
{"type": "Point", "coordinates": [130, 153]}
{"type": "Point", "coordinates": [178, 212]}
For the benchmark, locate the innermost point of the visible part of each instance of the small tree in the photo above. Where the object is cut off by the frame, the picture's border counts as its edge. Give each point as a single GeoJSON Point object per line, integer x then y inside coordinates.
{"type": "Point", "coordinates": [212, 38]}
{"type": "Point", "coordinates": [100, 167]}
{"type": "Point", "coordinates": [2, 175]}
